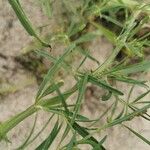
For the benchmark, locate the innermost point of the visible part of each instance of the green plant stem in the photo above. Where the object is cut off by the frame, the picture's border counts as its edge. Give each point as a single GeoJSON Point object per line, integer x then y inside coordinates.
{"type": "Point", "coordinates": [12, 122]}
{"type": "Point", "coordinates": [15, 120]}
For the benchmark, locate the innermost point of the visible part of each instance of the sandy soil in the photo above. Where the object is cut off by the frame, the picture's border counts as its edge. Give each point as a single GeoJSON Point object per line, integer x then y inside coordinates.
{"type": "Point", "coordinates": [12, 39]}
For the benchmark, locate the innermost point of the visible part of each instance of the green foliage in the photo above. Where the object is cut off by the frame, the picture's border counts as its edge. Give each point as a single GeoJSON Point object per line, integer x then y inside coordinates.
{"type": "Point", "coordinates": [85, 21]}
{"type": "Point", "coordinates": [48, 141]}
{"type": "Point", "coordinates": [25, 21]}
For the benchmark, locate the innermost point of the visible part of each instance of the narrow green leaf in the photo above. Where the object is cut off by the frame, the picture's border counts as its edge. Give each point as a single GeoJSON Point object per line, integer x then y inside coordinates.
{"type": "Point", "coordinates": [120, 114]}
{"type": "Point", "coordinates": [56, 100]}
{"type": "Point", "coordinates": [142, 66]}
{"type": "Point", "coordinates": [138, 135]}
{"type": "Point", "coordinates": [114, 108]}
{"type": "Point", "coordinates": [103, 140]}
{"type": "Point", "coordinates": [64, 104]}
{"type": "Point", "coordinates": [141, 96]}
{"type": "Point", "coordinates": [139, 26]}
{"type": "Point", "coordinates": [22, 17]}
{"type": "Point", "coordinates": [67, 129]}
{"type": "Point", "coordinates": [81, 88]}
{"type": "Point", "coordinates": [52, 88]}
{"type": "Point", "coordinates": [47, 55]}
{"type": "Point", "coordinates": [104, 85]}
{"type": "Point", "coordinates": [143, 102]}
{"type": "Point", "coordinates": [98, 146]}
{"type": "Point", "coordinates": [127, 117]}
{"type": "Point", "coordinates": [83, 132]}
{"type": "Point", "coordinates": [71, 143]}
{"type": "Point", "coordinates": [134, 108]}
{"type": "Point", "coordinates": [22, 146]}
{"type": "Point", "coordinates": [87, 54]}
{"type": "Point", "coordinates": [102, 115]}
{"type": "Point", "coordinates": [107, 33]}
{"type": "Point", "coordinates": [84, 59]}
{"type": "Point", "coordinates": [40, 131]}
{"type": "Point", "coordinates": [48, 141]}
{"type": "Point", "coordinates": [49, 76]}
{"type": "Point", "coordinates": [25, 21]}
{"type": "Point", "coordinates": [111, 19]}
{"type": "Point", "coordinates": [79, 117]}
{"type": "Point", "coordinates": [129, 80]}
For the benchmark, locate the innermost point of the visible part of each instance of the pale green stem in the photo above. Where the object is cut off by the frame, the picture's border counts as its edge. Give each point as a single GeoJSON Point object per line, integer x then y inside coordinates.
{"type": "Point", "coordinates": [12, 122]}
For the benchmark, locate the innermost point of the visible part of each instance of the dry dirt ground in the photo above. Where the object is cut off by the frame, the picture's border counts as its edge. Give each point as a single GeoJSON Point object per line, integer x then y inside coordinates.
{"type": "Point", "coordinates": [13, 39]}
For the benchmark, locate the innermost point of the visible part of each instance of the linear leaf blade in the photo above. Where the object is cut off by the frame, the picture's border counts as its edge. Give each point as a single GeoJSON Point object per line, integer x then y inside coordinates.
{"type": "Point", "coordinates": [138, 135]}
{"type": "Point", "coordinates": [142, 66]}
{"type": "Point", "coordinates": [104, 85]}
{"type": "Point", "coordinates": [49, 76]}
{"type": "Point", "coordinates": [48, 141]}
{"type": "Point", "coordinates": [25, 21]}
